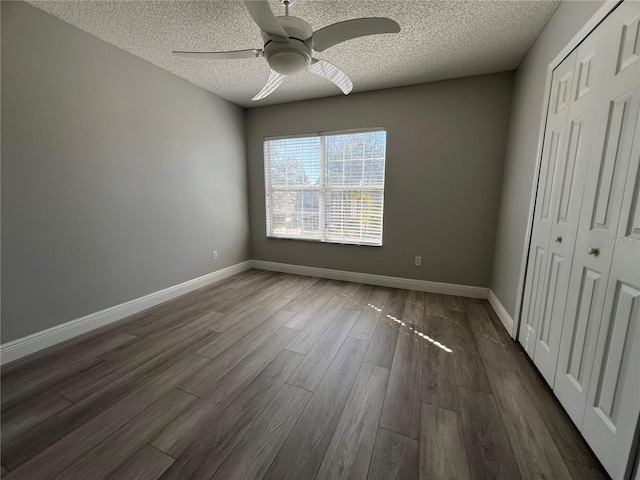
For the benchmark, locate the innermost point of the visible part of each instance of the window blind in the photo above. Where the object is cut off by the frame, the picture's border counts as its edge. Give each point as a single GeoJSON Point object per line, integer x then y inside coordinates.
{"type": "Point", "coordinates": [327, 187]}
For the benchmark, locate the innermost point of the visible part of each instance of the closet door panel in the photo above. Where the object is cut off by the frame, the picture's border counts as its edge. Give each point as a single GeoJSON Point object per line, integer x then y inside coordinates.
{"type": "Point", "coordinates": [613, 404]}
{"type": "Point", "coordinates": [614, 395]}
{"type": "Point", "coordinates": [614, 112]}
{"type": "Point", "coordinates": [539, 270]}
{"type": "Point", "coordinates": [567, 204]}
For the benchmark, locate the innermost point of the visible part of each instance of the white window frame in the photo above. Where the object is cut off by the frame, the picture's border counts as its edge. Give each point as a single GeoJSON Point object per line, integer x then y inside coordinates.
{"type": "Point", "coordinates": [322, 188]}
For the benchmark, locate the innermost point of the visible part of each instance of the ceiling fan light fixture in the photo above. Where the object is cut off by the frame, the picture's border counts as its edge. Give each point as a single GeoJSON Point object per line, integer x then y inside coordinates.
{"type": "Point", "coordinates": [287, 58]}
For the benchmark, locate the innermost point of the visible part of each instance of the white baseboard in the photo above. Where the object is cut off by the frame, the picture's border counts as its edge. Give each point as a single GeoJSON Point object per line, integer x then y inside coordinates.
{"type": "Point", "coordinates": [382, 280]}
{"type": "Point", "coordinates": [38, 341]}
{"type": "Point", "coordinates": [502, 313]}
{"type": "Point", "coordinates": [24, 346]}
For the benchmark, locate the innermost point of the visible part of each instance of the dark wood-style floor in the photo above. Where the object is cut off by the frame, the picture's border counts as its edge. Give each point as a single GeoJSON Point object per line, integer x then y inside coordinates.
{"type": "Point", "coordinates": [276, 376]}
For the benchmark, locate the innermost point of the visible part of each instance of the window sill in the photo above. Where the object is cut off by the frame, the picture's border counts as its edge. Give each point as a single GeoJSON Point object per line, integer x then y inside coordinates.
{"type": "Point", "coordinates": [316, 240]}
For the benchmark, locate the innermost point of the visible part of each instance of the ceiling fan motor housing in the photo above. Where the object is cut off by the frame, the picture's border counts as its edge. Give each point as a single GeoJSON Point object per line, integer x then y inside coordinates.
{"type": "Point", "coordinates": [293, 55]}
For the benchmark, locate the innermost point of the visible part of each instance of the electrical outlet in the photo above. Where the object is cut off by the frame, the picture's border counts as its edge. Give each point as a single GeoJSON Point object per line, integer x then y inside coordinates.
{"type": "Point", "coordinates": [214, 255]}
{"type": "Point", "coordinates": [418, 262]}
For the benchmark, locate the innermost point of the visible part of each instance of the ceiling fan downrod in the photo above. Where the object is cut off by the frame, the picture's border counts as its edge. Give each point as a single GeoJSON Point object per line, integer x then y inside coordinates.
{"type": "Point", "coordinates": [286, 4]}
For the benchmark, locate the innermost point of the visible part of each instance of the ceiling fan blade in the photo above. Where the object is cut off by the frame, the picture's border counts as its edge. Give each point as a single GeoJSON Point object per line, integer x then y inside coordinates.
{"type": "Point", "coordinates": [341, 32]}
{"type": "Point", "coordinates": [332, 73]}
{"type": "Point", "coordinates": [266, 20]}
{"type": "Point", "coordinates": [273, 82]}
{"type": "Point", "coordinates": [250, 53]}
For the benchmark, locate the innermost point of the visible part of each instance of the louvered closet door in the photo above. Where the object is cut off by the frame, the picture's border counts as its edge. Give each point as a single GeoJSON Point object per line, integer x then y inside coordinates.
{"type": "Point", "coordinates": [613, 401]}
{"type": "Point", "coordinates": [615, 114]}
{"type": "Point", "coordinates": [544, 220]}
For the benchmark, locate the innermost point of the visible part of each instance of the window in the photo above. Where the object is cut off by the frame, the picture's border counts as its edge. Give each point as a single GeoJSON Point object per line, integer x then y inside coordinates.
{"type": "Point", "coordinates": [327, 187]}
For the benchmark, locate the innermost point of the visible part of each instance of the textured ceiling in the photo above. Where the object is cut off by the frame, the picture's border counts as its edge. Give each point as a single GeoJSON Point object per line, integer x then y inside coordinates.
{"type": "Point", "coordinates": [439, 40]}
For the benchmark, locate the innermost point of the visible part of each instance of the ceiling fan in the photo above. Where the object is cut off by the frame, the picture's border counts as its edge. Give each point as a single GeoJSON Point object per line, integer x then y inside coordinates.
{"type": "Point", "coordinates": [289, 43]}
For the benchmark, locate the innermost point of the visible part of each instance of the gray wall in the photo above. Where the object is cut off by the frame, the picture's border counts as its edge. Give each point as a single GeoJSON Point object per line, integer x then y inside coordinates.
{"type": "Point", "coordinates": [445, 153]}
{"type": "Point", "coordinates": [524, 131]}
{"type": "Point", "coordinates": [118, 178]}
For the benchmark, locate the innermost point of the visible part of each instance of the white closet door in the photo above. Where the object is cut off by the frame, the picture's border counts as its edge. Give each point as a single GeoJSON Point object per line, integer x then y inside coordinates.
{"type": "Point", "coordinates": [550, 171]}
{"type": "Point", "coordinates": [613, 403]}
{"type": "Point", "coordinates": [572, 168]}
{"type": "Point", "coordinates": [614, 113]}
{"type": "Point", "coordinates": [614, 395]}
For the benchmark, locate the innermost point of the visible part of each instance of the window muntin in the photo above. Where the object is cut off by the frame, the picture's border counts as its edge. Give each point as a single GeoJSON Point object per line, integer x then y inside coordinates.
{"type": "Point", "coordinates": [326, 187]}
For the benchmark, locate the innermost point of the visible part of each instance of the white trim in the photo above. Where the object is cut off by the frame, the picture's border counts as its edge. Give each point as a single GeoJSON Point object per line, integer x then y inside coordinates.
{"type": "Point", "coordinates": [368, 278]}
{"type": "Point", "coordinates": [30, 344]}
{"type": "Point", "coordinates": [588, 27]}
{"type": "Point", "coordinates": [38, 341]}
{"type": "Point", "coordinates": [502, 313]}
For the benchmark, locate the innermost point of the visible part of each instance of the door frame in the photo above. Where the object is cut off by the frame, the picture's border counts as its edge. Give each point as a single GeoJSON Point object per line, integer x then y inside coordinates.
{"type": "Point", "coordinates": [607, 7]}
